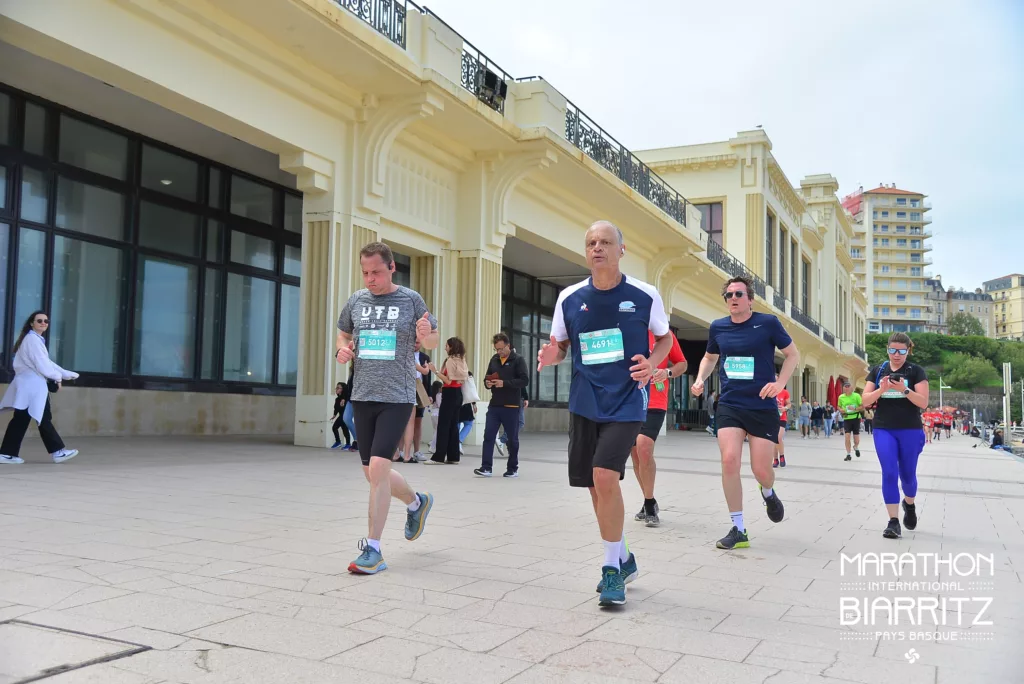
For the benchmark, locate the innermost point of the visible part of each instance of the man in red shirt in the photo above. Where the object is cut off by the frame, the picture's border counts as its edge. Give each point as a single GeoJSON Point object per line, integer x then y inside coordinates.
{"type": "Point", "coordinates": [657, 407]}
{"type": "Point", "coordinates": [782, 398]}
{"type": "Point", "coordinates": [947, 422]}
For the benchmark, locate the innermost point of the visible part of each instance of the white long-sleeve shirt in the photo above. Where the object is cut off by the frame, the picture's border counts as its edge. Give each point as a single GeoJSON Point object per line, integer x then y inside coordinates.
{"type": "Point", "coordinates": [32, 368]}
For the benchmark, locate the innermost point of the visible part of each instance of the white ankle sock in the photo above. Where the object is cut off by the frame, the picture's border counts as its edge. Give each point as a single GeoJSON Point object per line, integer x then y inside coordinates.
{"type": "Point", "coordinates": [415, 505]}
{"type": "Point", "coordinates": [374, 544]}
{"type": "Point", "coordinates": [765, 493]}
{"type": "Point", "coordinates": [623, 551]}
{"type": "Point", "coordinates": [737, 520]}
{"type": "Point", "coordinates": [611, 553]}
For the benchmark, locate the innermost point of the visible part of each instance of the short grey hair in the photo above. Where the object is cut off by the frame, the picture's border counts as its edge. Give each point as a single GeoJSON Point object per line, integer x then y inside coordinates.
{"type": "Point", "coordinates": [603, 222]}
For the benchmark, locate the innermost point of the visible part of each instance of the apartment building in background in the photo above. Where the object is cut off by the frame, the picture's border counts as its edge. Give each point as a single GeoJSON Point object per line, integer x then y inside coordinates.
{"type": "Point", "coordinates": [890, 253]}
{"type": "Point", "coordinates": [1008, 306]}
{"type": "Point", "coordinates": [935, 296]}
{"type": "Point", "coordinates": [977, 304]}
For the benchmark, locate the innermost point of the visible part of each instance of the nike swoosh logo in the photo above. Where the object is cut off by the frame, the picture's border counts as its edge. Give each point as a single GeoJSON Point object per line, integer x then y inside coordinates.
{"type": "Point", "coordinates": [758, 326]}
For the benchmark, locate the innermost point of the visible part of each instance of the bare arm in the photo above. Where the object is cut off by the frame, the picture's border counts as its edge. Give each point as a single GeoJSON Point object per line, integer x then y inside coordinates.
{"type": "Point", "coordinates": [792, 355]}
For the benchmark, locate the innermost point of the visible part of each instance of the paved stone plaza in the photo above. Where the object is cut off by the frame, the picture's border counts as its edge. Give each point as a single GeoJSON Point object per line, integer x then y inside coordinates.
{"type": "Point", "coordinates": [227, 558]}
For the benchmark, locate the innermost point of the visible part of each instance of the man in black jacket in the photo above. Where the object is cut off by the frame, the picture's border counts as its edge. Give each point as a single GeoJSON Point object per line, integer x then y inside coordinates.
{"type": "Point", "coordinates": [506, 377]}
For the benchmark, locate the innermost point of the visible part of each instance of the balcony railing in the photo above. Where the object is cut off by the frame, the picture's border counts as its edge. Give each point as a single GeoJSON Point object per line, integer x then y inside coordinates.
{"type": "Point", "coordinates": [733, 266]}
{"type": "Point", "coordinates": [387, 17]}
{"type": "Point", "coordinates": [859, 351]}
{"type": "Point", "coordinates": [805, 320]}
{"type": "Point", "coordinates": [779, 300]}
{"type": "Point", "coordinates": [597, 144]}
{"type": "Point", "coordinates": [480, 75]}
{"type": "Point", "coordinates": [829, 337]}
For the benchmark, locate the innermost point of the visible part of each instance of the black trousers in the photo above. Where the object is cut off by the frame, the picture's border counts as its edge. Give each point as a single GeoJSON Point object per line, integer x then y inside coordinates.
{"type": "Point", "coordinates": [19, 425]}
{"type": "Point", "coordinates": [447, 445]}
{"type": "Point", "coordinates": [339, 423]}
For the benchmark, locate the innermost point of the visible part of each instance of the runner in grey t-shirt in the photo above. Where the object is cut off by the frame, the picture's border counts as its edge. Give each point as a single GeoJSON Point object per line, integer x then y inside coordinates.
{"type": "Point", "coordinates": [379, 328]}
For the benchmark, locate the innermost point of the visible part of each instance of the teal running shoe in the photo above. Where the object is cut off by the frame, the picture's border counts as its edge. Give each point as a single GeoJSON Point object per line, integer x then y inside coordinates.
{"type": "Point", "coordinates": [629, 570]}
{"type": "Point", "coordinates": [613, 593]}
{"type": "Point", "coordinates": [370, 562]}
{"type": "Point", "coordinates": [414, 522]}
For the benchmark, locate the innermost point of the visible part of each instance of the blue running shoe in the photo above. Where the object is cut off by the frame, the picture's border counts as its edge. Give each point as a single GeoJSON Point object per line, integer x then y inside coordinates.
{"type": "Point", "coordinates": [414, 522]}
{"type": "Point", "coordinates": [629, 570]}
{"type": "Point", "coordinates": [614, 591]}
{"type": "Point", "coordinates": [370, 562]}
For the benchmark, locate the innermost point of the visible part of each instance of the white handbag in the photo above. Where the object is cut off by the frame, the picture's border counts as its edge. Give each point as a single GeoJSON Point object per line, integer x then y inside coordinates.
{"type": "Point", "coordinates": [469, 392]}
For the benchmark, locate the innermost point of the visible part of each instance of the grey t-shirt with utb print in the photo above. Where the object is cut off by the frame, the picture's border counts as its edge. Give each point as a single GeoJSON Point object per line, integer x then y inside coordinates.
{"type": "Point", "coordinates": [384, 330]}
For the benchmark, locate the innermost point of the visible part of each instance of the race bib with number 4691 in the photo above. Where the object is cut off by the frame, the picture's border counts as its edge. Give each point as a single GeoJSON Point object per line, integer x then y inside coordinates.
{"type": "Point", "coordinates": [601, 346]}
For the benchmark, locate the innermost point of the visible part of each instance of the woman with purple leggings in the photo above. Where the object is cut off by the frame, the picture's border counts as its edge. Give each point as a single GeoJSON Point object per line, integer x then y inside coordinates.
{"type": "Point", "coordinates": [901, 390]}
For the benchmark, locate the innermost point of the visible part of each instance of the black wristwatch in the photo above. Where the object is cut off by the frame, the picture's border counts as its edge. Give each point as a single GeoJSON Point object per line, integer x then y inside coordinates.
{"type": "Point", "coordinates": [906, 392]}
{"type": "Point", "coordinates": [670, 373]}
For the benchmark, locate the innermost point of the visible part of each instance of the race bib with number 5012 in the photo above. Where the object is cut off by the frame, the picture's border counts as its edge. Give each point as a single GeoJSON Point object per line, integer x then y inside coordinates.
{"type": "Point", "coordinates": [601, 346]}
{"type": "Point", "coordinates": [739, 367]}
{"type": "Point", "coordinates": [378, 345]}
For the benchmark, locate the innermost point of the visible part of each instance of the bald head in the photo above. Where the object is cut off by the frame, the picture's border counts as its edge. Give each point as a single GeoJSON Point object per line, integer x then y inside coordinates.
{"type": "Point", "coordinates": [607, 224]}
{"type": "Point", "coordinates": [604, 247]}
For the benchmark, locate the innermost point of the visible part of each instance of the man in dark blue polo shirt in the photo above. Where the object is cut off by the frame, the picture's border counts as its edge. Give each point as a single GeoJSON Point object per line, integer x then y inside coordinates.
{"type": "Point", "coordinates": [745, 342]}
{"type": "Point", "coordinates": [605, 321]}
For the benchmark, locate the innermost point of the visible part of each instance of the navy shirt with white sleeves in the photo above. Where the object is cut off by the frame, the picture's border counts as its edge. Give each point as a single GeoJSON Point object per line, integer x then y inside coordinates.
{"type": "Point", "coordinates": [606, 329]}
{"type": "Point", "coordinates": [747, 358]}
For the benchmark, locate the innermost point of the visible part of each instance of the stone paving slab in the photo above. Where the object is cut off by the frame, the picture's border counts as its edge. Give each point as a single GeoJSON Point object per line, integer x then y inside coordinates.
{"type": "Point", "coordinates": [228, 557]}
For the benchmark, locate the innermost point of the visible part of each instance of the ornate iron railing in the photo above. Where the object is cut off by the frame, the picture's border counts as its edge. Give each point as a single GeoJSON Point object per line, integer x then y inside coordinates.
{"type": "Point", "coordinates": [387, 17]}
{"type": "Point", "coordinates": [733, 266]}
{"type": "Point", "coordinates": [597, 144]}
{"type": "Point", "coordinates": [475, 66]}
{"type": "Point", "coordinates": [804, 320]}
{"type": "Point", "coordinates": [859, 351]}
{"type": "Point", "coordinates": [779, 300]}
{"type": "Point", "coordinates": [829, 337]}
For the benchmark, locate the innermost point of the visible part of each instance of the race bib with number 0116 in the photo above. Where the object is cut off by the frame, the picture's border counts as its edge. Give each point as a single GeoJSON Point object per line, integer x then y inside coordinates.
{"type": "Point", "coordinates": [739, 367]}
{"type": "Point", "coordinates": [378, 345]}
{"type": "Point", "coordinates": [601, 346]}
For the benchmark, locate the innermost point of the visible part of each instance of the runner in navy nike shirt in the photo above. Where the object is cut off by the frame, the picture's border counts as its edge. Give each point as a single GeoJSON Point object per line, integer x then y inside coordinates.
{"type": "Point", "coordinates": [745, 342]}
{"type": "Point", "coordinates": [604, 321]}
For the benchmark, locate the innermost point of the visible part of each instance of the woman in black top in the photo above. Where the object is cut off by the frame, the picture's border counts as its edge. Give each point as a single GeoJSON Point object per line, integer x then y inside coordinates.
{"type": "Point", "coordinates": [900, 389]}
{"type": "Point", "coordinates": [339, 422]}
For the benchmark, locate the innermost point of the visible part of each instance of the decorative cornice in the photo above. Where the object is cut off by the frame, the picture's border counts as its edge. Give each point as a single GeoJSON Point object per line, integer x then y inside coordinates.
{"type": "Point", "coordinates": [313, 172]}
{"type": "Point", "coordinates": [707, 163]}
{"type": "Point", "coordinates": [780, 186]}
{"type": "Point", "coordinates": [504, 174]}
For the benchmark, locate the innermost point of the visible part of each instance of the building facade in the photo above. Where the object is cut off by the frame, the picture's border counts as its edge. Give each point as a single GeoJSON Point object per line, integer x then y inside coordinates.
{"type": "Point", "coordinates": [976, 304]}
{"type": "Point", "coordinates": [1008, 306]}
{"type": "Point", "coordinates": [935, 298]}
{"type": "Point", "coordinates": [185, 188]}
{"type": "Point", "coordinates": [891, 256]}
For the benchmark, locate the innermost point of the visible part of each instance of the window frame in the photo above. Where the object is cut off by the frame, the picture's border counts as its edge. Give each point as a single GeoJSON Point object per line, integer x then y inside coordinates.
{"type": "Point", "coordinates": [536, 309]}
{"type": "Point", "coordinates": [15, 159]}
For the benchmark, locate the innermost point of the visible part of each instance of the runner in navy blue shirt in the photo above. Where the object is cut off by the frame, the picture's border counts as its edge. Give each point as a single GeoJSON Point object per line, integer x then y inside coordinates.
{"type": "Point", "coordinates": [605, 322]}
{"type": "Point", "coordinates": [745, 342]}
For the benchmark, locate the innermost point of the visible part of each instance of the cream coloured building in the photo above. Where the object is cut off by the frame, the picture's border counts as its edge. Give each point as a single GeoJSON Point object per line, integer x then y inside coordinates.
{"type": "Point", "coordinates": [891, 257]}
{"type": "Point", "coordinates": [186, 185]}
{"type": "Point", "coordinates": [1008, 306]}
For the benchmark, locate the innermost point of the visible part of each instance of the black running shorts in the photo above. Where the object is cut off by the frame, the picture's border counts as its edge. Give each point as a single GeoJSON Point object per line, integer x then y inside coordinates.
{"type": "Point", "coordinates": [852, 425]}
{"type": "Point", "coordinates": [762, 423]}
{"type": "Point", "coordinates": [652, 426]}
{"type": "Point", "coordinates": [379, 428]}
{"type": "Point", "coordinates": [597, 445]}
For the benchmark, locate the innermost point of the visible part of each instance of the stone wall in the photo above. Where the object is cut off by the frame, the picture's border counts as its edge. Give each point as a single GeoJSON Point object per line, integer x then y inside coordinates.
{"type": "Point", "coordinates": [988, 401]}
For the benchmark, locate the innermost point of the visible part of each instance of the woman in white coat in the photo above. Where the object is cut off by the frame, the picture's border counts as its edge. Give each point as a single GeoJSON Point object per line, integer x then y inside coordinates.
{"type": "Point", "coordinates": [28, 394]}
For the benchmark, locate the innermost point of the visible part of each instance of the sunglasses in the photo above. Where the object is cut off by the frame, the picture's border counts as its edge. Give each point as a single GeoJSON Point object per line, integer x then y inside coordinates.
{"type": "Point", "coordinates": [45, 321]}
{"type": "Point", "coordinates": [738, 294]}
{"type": "Point", "coordinates": [901, 352]}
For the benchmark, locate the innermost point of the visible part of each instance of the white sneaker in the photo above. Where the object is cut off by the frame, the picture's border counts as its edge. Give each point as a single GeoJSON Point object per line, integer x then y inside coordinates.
{"type": "Point", "coordinates": [418, 456]}
{"type": "Point", "coordinates": [64, 455]}
{"type": "Point", "coordinates": [10, 459]}
{"type": "Point", "coordinates": [500, 447]}
{"type": "Point", "coordinates": [461, 452]}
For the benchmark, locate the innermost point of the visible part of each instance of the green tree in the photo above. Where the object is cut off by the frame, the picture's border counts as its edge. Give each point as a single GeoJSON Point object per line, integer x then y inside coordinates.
{"type": "Point", "coordinates": [963, 324]}
{"type": "Point", "coordinates": [964, 371]}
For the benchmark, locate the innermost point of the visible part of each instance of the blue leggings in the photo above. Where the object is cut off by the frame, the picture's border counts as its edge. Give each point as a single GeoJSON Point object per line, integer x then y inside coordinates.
{"type": "Point", "coordinates": [898, 451]}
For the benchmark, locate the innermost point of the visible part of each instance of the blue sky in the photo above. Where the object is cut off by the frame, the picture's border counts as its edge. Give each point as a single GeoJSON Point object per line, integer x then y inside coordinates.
{"type": "Point", "coordinates": [927, 95]}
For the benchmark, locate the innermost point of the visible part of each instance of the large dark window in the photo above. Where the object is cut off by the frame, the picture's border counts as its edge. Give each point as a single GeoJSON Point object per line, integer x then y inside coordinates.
{"type": "Point", "coordinates": [711, 220]}
{"type": "Point", "coordinates": [793, 271]}
{"type": "Point", "coordinates": [805, 282]}
{"type": "Point", "coordinates": [158, 268]}
{"type": "Point", "coordinates": [527, 306]}
{"type": "Point", "coordinates": [769, 231]}
{"type": "Point", "coordinates": [782, 261]}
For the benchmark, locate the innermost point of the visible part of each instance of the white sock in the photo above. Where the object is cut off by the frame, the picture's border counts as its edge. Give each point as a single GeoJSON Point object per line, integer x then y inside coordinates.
{"type": "Point", "coordinates": [766, 492]}
{"type": "Point", "coordinates": [374, 544]}
{"type": "Point", "coordinates": [415, 505]}
{"type": "Point", "coordinates": [737, 520]}
{"type": "Point", "coordinates": [623, 551]}
{"type": "Point", "coordinates": [611, 553]}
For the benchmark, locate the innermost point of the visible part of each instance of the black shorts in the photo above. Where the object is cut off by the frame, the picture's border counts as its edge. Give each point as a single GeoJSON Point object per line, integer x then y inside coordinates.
{"type": "Point", "coordinates": [598, 445]}
{"type": "Point", "coordinates": [762, 423]}
{"type": "Point", "coordinates": [420, 410]}
{"type": "Point", "coordinates": [852, 425]}
{"type": "Point", "coordinates": [652, 426]}
{"type": "Point", "coordinates": [380, 428]}
{"type": "Point", "coordinates": [783, 423]}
